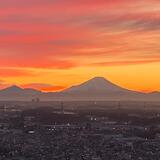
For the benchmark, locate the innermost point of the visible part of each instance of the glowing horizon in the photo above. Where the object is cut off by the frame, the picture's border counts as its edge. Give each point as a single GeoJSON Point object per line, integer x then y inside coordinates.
{"type": "Point", "coordinates": [53, 44]}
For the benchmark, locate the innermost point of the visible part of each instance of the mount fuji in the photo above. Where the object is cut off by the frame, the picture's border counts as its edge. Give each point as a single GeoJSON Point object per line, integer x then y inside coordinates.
{"type": "Point", "coordinates": [99, 88]}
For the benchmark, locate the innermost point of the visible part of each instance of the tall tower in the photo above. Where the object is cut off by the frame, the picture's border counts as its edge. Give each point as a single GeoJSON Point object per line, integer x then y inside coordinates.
{"type": "Point", "coordinates": [5, 108]}
{"type": "Point", "coordinates": [62, 108]}
{"type": "Point", "coordinates": [119, 105]}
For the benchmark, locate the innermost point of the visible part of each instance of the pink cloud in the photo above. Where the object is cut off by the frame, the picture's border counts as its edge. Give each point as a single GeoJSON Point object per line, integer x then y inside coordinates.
{"type": "Point", "coordinates": [45, 33]}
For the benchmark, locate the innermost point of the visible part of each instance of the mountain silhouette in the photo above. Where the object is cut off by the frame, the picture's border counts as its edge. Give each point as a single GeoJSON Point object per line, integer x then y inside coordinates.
{"type": "Point", "coordinates": [12, 89]}
{"type": "Point", "coordinates": [97, 84]}
{"type": "Point", "coordinates": [15, 89]}
{"type": "Point", "coordinates": [16, 93]}
{"type": "Point", "coordinates": [97, 88]}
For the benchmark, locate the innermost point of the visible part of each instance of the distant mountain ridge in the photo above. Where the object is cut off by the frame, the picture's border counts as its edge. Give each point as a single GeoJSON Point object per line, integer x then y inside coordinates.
{"type": "Point", "coordinates": [16, 89]}
{"type": "Point", "coordinates": [97, 88]}
{"type": "Point", "coordinates": [15, 93]}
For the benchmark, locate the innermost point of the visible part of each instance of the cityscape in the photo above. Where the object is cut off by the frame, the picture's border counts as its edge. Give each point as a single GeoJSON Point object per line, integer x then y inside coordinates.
{"type": "Point", "coordinates": [86, 133]}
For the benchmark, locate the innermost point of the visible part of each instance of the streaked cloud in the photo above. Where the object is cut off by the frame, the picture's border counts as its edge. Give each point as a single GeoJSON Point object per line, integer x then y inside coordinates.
{"type": "Point", "coordinates": [16, 73]}
{"type": "Point", "coordinates": [43, 87]}
{"type": "Point", "coordinates": [4, 84]}
{"type": "Point", "coordinates": [128, 62]}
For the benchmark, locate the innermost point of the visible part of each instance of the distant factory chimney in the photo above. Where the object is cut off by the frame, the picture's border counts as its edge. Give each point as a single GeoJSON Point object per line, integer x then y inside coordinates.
{"type": "Point", "coordinates": [35, 100]}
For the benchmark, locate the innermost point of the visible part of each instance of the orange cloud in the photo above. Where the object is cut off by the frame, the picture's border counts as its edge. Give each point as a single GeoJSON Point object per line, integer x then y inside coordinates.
{"type": "Point", "coordinates": [15, 73]}
{"type": "Point", "coordinates": [34, 63]}
{"type": "Point", "coordinates": [128, 62]}
{"type": "Point", "coordinates": [3, 84]}
{"type": "Point", "coordinates": [43, 87]}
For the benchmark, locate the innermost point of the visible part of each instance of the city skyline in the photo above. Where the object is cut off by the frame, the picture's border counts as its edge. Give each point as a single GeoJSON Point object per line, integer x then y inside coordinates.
{"type": "Point", "coordinates": [52, 45]}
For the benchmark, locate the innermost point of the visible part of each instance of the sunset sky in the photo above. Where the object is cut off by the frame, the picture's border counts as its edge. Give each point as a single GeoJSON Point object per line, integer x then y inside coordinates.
{"type": "Point", "coordinates": [53, 44]}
